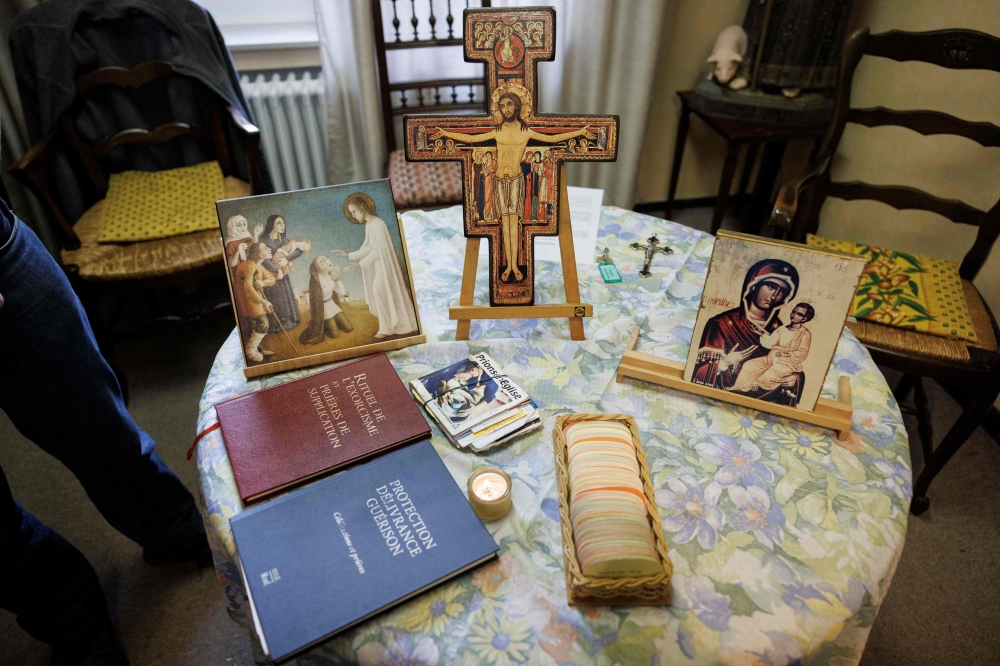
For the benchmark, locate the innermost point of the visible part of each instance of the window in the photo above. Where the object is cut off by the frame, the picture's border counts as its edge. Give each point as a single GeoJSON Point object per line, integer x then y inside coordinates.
{"type": "Point", "coordinates": [265, 35]}
{"type": "Point", "coordinates": [249, 25]}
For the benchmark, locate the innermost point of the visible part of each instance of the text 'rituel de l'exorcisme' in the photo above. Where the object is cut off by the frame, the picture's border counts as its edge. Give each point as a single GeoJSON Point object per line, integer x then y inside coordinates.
{"type": "Point", "coordinates": [331, 416]}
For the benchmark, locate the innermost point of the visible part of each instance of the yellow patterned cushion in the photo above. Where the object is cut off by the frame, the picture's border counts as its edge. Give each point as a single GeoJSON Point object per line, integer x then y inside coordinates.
{"type": "Point", "coordinates": [143, 205]}
{"type": "Point", "coordinates": [908, 291]}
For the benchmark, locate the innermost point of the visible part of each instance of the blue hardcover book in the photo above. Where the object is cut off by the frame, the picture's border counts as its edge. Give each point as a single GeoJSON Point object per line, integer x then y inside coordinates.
{"type": "Point", "coordinates": [324, 558]}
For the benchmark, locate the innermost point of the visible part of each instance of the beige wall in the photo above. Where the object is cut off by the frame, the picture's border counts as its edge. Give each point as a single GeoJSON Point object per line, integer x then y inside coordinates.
{"type": "Point", "coordinates": [687, 41]}
{"type": "Point", "coordinates": [950, 167]}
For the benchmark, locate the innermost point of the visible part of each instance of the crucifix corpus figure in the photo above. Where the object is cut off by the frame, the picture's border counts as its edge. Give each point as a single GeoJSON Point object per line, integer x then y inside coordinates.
{"type": "Point", "coordinates": [651, 247]}
{"type": "Point", "coordinates": [511, 139]}
{"type": "Point", "coordinates": [511, 157]}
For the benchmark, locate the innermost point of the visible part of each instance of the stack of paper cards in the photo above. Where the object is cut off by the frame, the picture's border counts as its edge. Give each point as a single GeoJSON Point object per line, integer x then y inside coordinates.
{"type": "Point", "coordinates": [476, 404]}
{"type": "Point", "coordinates": [607, 505]}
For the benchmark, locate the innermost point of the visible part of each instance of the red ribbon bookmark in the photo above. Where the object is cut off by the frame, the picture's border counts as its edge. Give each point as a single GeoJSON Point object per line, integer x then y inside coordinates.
{"type": "Point", "coordinates": [214, 426]}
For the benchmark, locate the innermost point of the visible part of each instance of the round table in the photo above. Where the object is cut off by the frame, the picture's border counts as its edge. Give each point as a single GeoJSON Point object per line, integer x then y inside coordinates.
{"type": "Point", "coordinates": [785, 559]}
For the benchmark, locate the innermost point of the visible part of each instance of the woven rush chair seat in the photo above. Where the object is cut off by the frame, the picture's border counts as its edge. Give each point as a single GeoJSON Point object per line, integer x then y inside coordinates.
{"type": "Point", "coordinates": [145, 259]}
{"type": "Point", "coordinates": [936, 346]}
{"type": "Point", "coordinates": [424, 184]}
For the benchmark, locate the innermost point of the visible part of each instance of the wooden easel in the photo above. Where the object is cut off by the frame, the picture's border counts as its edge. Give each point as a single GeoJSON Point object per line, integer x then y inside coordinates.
{"type": "Point", "coordinates": [573, 309]}
{"type": "Point", "coordinates": [833, 414]}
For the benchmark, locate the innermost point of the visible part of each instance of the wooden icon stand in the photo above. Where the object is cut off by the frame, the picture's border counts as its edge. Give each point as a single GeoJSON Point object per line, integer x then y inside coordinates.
{"type": "Point", "coordinates": [833, 414]}
{"type": "Point", "coordinates": [572, 309]}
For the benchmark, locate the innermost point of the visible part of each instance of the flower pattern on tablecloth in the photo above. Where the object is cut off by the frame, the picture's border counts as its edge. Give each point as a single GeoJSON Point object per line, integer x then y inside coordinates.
{"type": "Point", "coordinates": [783, 539]}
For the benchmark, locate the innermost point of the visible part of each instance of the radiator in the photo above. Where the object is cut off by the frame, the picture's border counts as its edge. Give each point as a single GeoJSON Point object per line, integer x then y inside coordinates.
{"type": "Point", "coordinates": [292, 120]}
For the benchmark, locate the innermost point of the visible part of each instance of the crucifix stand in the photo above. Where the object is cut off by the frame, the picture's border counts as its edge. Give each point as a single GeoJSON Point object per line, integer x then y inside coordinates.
{"type": "Point", "coordinates": [572, 308]}
{"type": "Point", "coordinates": [512, 166]}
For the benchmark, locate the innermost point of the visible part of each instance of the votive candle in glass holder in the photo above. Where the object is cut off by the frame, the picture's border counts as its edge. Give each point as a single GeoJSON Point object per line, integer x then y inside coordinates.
{"type": "Point", "coordinates": [489, 492]}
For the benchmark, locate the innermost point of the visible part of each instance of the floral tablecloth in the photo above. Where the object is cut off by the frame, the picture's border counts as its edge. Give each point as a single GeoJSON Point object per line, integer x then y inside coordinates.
{"type": "Point", "coordinates": [783, 539]}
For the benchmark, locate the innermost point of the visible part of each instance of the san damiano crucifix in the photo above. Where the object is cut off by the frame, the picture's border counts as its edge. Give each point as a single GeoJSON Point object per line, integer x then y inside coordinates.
{"type": "Point", "coordinates": [511, 157]}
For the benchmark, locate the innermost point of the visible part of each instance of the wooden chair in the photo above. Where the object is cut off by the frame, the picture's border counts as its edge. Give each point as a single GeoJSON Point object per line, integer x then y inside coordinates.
{"type": "Point", "coordinates": [422, 184]}
{"type": "Point", "coordinates": [917, 355]}
{"type": "Point", "coordinates": [142, 266]}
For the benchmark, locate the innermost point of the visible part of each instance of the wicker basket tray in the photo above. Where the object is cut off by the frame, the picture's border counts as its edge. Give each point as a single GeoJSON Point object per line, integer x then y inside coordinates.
{"type": "Point", "coordinates": [589, 590]}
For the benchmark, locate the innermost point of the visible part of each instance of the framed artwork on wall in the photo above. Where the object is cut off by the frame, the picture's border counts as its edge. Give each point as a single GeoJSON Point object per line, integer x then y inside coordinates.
{"type": "Point", "coordinates": [318, 275]}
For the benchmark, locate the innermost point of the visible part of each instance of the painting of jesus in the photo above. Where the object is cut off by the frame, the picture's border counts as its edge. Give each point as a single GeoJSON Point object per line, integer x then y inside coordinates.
{"type": "Point", "coordinates": [782, 367]}
{"type": "Point", "coordinates": [386, 289]}
{"type": "Point", "coordinates": [509, 182]}
{"type": "Point", "coordinates": [512, 156]}
{"type": "Point", "coordinates": [339, 288]}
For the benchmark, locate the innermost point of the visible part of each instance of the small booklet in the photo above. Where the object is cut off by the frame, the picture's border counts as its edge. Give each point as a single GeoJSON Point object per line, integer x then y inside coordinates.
{"type": "Point", "coordinates": [324, 558]}
{"type": "Point", "coordinates": [468, 393]}
{"type": "Point", "coordinates": [475, 403]}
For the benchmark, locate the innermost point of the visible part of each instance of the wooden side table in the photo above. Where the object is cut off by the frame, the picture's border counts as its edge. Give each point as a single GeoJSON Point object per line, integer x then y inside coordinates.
{"type": "Point", "coordinates": [739, 133]}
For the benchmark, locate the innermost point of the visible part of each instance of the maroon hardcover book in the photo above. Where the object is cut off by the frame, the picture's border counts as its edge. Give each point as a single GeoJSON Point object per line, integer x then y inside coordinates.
{"type": "Point", "coordinates": [288, 434]}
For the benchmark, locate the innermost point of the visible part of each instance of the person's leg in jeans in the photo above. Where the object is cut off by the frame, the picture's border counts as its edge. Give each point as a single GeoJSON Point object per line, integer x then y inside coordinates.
{"type": "Point", "coordinates": [52, 588]}
{"type": "Point", "coordinates": [60, 393]}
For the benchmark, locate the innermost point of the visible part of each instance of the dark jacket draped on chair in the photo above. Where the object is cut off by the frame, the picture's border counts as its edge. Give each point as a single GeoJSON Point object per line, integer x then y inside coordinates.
{"type": "Point", "coordinates": [57, 41]}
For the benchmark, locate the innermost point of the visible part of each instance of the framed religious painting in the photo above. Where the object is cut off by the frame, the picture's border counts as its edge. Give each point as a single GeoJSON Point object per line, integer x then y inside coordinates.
{"type": "Point", "coordinates": [770, 318]}
{"type": "Point", "coordinates": [512, 155]}
{"type": "Point", "coordinates": [318, 275]}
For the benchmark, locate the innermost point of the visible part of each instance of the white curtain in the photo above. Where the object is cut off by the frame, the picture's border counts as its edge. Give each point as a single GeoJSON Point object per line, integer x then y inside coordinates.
{"type": "Point", "coordinates": [14, 140]}
{"type": "Point", "coordinates": [356, 147]}
{"type": "Point", "coordinates": [606, 59]}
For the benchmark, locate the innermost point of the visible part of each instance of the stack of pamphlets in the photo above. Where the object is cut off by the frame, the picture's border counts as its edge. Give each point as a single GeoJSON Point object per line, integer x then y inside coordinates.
{"type": "Point", "coordinates": [476, 404]}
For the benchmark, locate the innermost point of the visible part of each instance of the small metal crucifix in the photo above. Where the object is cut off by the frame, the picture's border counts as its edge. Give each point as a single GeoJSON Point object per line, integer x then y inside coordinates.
{"type": "Point", "coordinates": [651, 248]}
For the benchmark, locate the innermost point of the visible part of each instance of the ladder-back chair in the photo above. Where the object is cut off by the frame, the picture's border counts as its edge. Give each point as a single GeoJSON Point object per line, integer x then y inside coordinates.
{"type": "Point", "coordinates": [422, 184]}
{"type": "Point", "coordinates": [974, 366]}
{"type": "Point", "coordinates": [126, 268]}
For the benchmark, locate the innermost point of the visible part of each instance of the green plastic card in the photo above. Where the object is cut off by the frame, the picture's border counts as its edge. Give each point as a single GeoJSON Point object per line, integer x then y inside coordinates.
{"type": "Point", "coordinates": [609, 273]}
